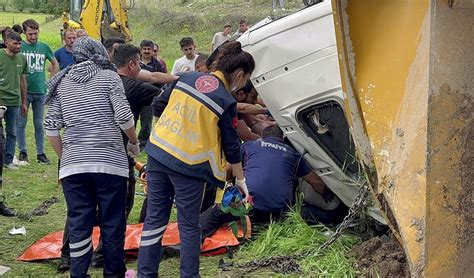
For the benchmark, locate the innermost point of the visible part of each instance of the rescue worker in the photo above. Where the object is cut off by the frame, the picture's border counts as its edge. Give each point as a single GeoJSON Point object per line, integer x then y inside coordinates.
{"type": "Point", "coordinates": [190, 145]}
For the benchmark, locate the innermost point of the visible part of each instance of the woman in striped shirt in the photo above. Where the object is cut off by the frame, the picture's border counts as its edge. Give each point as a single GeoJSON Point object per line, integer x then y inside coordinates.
{"type": "Point", "coordinates": [88, 101]}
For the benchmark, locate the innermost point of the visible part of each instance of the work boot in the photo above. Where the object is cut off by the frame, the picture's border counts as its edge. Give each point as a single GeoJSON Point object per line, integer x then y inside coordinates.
{"type": "Point", "coordinates": [6, 211]}
{"type": "Point", "coordinates": [23, 159]}
{"type": "Point", "coordinates": [64, 264]}
{"type": "Point", "coordinates": [41, 158]}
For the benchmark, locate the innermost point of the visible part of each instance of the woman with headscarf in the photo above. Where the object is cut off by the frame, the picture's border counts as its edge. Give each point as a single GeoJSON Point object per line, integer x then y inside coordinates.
{"type": "Point", "coordinates": [88, 101]}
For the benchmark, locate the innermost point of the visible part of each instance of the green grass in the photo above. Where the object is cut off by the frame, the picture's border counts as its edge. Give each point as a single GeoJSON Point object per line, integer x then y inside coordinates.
{"type": "Point", "coordinates": [292, 236]}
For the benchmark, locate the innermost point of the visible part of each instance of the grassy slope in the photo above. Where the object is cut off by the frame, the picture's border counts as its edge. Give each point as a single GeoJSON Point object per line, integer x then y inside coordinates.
{"type": "Point", "coordinates": [165, 21]}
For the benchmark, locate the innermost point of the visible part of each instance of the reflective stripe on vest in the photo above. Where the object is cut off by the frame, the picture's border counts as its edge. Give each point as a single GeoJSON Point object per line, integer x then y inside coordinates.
{"type": "Point", "coordinates": [188, 130]}
{"type": "Point", "coordinates": [201, 96]}
{"type": "Point", "coordinates": [194, 158]}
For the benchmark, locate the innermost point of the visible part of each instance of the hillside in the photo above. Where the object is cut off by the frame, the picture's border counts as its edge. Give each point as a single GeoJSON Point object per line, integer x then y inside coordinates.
{"type": "Point", "coordinates": [167, 21]}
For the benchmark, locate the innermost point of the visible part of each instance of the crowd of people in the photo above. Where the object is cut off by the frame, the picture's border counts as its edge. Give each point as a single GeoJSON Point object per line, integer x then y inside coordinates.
{"type": "Point", "coordinates": [211, 127]}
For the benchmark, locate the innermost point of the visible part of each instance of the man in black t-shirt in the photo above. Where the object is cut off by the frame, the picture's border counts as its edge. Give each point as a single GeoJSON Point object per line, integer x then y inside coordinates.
{"type": "Point", "coordinates": [139, 94]}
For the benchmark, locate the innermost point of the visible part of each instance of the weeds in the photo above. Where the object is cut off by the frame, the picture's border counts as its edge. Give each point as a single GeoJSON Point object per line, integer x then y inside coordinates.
{"type": "Point", "coordinates": [293, 236]}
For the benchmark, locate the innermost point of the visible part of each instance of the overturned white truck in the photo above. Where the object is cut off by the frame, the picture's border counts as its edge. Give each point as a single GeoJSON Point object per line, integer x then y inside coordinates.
{"type": "Point", "coordinates": [297, 76]}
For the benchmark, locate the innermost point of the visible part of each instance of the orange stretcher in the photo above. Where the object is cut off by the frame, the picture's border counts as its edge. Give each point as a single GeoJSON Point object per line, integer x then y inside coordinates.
{"type": "Point", "coordinates": [49, 247]}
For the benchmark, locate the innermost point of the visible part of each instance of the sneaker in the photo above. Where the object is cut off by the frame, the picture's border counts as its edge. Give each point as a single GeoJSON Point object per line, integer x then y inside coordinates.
{"type": "Point", "coordinates": [11, 166]}
{"type": "Point", "coordinates": [23, 159]}
{"type": "Point", "coordinates": [41, 158]}
{"type": "Point", "coordinates": [6, 211]}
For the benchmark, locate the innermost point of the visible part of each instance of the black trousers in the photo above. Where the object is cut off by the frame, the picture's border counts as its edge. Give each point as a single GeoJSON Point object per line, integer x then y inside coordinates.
{"type": "Point", "coordinates": [207, 201]}
{"type": "Point", "coordinates": [85, 193]}
{"type": "Point", "coordinates": [65, 250]}
{"type": "Point", "coordinates": [213, 218]}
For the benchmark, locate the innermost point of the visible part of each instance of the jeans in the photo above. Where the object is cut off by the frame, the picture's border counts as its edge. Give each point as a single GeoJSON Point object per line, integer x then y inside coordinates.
{"type": "Point", "coordinates": [11, 118]}
{"type": "Point", "coordinates": [37, 106]}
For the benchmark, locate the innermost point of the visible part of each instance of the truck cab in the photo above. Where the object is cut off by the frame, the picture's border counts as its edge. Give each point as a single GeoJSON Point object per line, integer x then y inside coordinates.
{"type": "Point", "coordinates": [297, 76]}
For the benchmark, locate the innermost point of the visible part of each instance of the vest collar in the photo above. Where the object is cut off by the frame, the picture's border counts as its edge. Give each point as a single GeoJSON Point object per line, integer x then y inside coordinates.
{"type": "Point", "coordinates": [220, 75]}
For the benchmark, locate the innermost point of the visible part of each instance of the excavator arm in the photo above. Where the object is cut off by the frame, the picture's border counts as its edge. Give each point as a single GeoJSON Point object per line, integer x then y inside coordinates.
{"type": "Point", "coordinates": [101, 19]}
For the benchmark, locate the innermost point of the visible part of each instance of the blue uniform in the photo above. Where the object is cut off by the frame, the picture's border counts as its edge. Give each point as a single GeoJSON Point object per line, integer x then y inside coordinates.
{"type": "Point", "coordinates": [190, 145]}
{"type": "Point", "coordinates": [284, 160]}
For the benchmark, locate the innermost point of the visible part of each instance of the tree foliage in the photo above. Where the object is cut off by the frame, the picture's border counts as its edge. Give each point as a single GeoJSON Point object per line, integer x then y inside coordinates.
{"type": "Point", "coordinates": [55, 7]}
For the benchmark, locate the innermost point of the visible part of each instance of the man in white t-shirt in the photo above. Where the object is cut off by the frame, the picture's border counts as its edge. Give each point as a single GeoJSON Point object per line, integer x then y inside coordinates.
{"type": "Point", "coordinates": [221, 37]}
{"type": "Point", "coordinates": [185, 63]}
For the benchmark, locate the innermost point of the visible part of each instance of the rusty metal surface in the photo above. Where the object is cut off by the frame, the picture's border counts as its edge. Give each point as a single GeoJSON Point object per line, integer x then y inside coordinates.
{"type": "Point", "coordinates": [450, 176]}
{"type": "Point", "coordinates": [410, 108]}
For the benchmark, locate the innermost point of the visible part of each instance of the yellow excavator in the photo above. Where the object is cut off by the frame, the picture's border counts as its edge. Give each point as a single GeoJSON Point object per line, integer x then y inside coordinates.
{"type": "Point", "coordinates": [379, 93]}
{"type": "Point", "coordinates": [101, 19]}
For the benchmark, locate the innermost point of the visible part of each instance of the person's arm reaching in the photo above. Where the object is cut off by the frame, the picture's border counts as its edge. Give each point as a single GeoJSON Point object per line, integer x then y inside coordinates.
{"type": "Point", "coordinates": [245, 133]}
{"type": "Point", "coordinates": [247, 108]}
{"type": "Point", "coordinates": [156, 77]}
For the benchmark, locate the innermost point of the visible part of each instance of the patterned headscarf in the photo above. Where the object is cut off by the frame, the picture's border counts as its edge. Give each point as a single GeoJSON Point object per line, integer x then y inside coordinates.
{"type": "Point", "coordinates": [84, 49]}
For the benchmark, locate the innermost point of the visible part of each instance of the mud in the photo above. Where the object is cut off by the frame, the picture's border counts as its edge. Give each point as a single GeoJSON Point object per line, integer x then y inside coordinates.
{"type": "Point", "coordinates": [41, 210]}
{"type": "Point", "coordinates": [376, 258]}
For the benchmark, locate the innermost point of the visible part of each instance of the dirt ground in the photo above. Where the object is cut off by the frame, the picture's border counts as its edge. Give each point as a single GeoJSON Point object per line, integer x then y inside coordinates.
{"type": "Point", "coordinates": [377, 258]}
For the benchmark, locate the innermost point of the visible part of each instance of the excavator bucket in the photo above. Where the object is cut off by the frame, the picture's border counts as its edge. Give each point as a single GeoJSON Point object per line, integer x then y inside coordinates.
{"type": "Point", "coordinates": [407, 72]}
